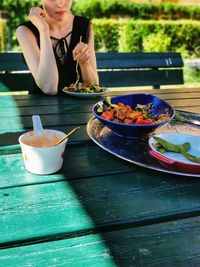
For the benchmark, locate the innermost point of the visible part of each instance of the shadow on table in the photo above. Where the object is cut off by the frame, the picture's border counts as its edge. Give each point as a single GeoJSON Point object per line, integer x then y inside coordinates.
{"type": "Point", "coordinates": [113, 207]}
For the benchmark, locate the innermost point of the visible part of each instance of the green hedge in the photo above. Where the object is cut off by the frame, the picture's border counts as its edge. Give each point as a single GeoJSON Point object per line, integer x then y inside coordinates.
{"type": "Point", "coordinates": [127, 35]}
{"type": "Point", "coordinates": [109, 8]}
{"type": "Point", "coordinates": [3, 35]}
{"type": "Point", "coordinates": [17, 12]}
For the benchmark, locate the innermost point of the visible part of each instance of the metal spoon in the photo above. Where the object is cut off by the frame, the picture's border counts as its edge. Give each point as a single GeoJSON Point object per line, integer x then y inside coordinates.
{"type": "Point", "coordinates": [67, 135]}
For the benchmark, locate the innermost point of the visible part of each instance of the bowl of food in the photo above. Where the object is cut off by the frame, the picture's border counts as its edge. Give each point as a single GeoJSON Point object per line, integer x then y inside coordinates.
{"type": "Point", "coordinates": [85, 90]}
{"type": "Point", "coordinates": [41, 153]}
{"type": "Point", "coordinates": [132, 115]}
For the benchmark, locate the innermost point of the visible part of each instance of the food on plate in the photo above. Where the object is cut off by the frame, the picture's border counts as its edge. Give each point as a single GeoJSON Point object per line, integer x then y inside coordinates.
{"type": "Point", "coordinates": [168, 146]}
{"type": "Point", "coordinates": [85, 88]}
{"type": "Point", "coordinates": [141, 114]}
{"type": "Point", "coordinates": [43, 140]}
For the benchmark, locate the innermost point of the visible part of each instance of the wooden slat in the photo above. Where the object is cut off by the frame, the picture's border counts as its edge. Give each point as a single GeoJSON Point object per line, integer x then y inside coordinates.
{"type": "Point", "coordinates": [163, 95]}
{"type": "Point", "coordinates": [62, 108]}
{"type": "Point", "coordinates": [15, 81]}
{"type": "Point", "coordinates": [88, 165]}
{"type": "Point", "coordinates": [11, 138]}
{"type": "Point", "coordinates": [58, 208]}
{"type": "Point", "coordinates": [61, 116]}
{"type": "Point", "coordinates": [15, 61]}
{"type": "Point", "coordinates": [34, 100]}
{"type": "Point", "coordinates": [95, 192]}
{"type": "Point", "coordinates": [23, 81]}
{"type": "Point", "coordinates": [24, 100]}
{"type": "Point", "coordinates": [140, 78]}
{"type": "Point", "coordinates": [12, 61]}
{"type": "Point", "coordinates": [15, 124]}
{"type": "Point", "coordinates": [190, 109]}
{"type": "Point", "coordinates": [109, 79]}
{"type": "Point", "coordinates": [170, 91]}
{"type": "Point", "coordinates": [173, 243]}
{"type": "Point", "coordinates": [138, 60]}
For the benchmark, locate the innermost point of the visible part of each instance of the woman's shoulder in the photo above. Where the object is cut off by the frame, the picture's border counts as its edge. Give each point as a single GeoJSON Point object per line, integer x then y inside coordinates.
{"type": "Point", "coordinates": [30, 26]}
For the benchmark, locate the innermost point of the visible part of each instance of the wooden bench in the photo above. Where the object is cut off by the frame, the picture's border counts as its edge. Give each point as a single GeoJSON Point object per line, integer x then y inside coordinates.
{"type": "Point", "coordinates": [115, 70]}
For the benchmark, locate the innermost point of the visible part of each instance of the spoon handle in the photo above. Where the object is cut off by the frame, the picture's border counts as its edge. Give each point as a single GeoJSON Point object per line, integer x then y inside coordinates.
{"type": "Point", "coordinates": [67, 135]}
{"type": "Point", "coordinates": [37, 124]}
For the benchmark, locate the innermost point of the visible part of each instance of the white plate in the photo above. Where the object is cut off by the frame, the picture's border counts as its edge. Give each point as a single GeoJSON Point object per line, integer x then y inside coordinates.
{"type": "Point", "coordinates": [178, 139]}
{"type": "Point", "coordinates": [85, 95]}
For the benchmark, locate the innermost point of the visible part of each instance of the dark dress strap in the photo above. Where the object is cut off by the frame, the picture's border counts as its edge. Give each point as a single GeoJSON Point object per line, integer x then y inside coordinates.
{"type": "Point", "coordinates": [66, 70]}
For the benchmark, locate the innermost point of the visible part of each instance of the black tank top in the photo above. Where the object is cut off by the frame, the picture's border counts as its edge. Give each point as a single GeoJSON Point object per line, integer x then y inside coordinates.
{"type": "Point", "coordinates": [66, 66]}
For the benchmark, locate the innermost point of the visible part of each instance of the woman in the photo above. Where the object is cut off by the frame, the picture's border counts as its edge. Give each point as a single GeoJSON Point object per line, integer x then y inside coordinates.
{"type": "Point", "coordinates": [52, 41]}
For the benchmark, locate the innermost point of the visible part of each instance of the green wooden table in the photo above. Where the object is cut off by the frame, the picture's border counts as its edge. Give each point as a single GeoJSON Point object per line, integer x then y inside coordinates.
{"type": "Point", "coordinates": [98, 210]}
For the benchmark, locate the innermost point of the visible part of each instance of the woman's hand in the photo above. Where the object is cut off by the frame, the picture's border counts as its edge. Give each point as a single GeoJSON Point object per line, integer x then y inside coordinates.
{"type": "Point", "coordinates": [82, 53]}
{"type": "Point", "coordinates": [37, 17]}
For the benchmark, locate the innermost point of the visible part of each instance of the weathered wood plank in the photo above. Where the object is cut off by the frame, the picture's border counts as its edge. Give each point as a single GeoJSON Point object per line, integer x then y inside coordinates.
{"type": "Point", "coordinates": [84, 107]}
{"type": "Point", "coordinates": [25, 111]}
{"type": "Point", "coordinates": [58, 208]}
{"type": "Point", "coordinates": [82, 251]}
{"type": "Point", "coordinates": [8, 140]}
{"type": "Point", "coordinates": [140, 78]}
{"type": "Point", "coordinates": [15, 82]}
{"type": "Point", "coordinates": [173, 243]}
{"type": "Point", "coordinates": [72, 102]}
{"type": "Point", "coordinates": [125, 90]}
{"type": "Point", "coordinates": [175, 95]}
{"type": "Point", "coordinates": [15, 124]}
{"type": "Point", "coordinates": [190, 109]}
{"type": "Point", "coordinates": [11, 61]}
{"type": "Point", "coordinates": [176, 103]}
{"type": "Point", "coordinates": [36, 101]}
{"type": "Point", "coordinates": [143, 69]}
{"type": "Point", "coordinates": [15, 60]}
{"type": "Point", "coordinates": [22, 81]}
{"type": "Point", "coordinates": [24, 101]}
{"type": "Point", "coordinates": [138, 60]}
{"type": "Point", "coordinates": [79, 162]}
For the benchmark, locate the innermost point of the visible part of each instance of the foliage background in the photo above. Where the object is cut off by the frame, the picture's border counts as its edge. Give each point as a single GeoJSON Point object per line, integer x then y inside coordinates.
{"type": "Point", "coordinates": [131, 25]}
{"type": "Point", "coordinates": [16, 11]}
{"type": "Point", "coordinates": [138, 35]}
{"type": "Point", "coordinates": [142, 22]}
{"type": "Point", "coordinates": [3, 32]}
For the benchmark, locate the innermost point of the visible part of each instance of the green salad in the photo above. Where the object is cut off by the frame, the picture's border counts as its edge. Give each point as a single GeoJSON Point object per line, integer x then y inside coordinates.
{"type": "Point", "coordinates": [86, 88]}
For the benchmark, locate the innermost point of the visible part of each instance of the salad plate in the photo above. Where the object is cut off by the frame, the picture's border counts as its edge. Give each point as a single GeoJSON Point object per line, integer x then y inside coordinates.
{"type": "Point", "coordinates": [85, 90]}
{"type": "Point", "coordinates": [137, 150]}
{"type": "Point", "coordinates": [178, 139]}
{"type": "Point", "coordinates": [174, 160]}
{"type": "Point", "coordinates": [85, 95]}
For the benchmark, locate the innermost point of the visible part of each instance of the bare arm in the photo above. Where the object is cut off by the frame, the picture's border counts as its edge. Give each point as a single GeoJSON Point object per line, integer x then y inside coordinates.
{"type": "Point", "coordinates": [41, 61]}
{"type": "Point", "coordinates": [85, 54]}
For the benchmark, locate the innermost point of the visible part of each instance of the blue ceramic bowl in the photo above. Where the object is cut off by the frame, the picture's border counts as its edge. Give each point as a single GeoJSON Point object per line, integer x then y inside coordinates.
{"type": "Point", "coordinates": [135, 130]}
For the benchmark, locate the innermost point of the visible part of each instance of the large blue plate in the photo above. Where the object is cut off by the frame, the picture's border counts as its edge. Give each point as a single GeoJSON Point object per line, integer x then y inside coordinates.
{"type": "Point", "coordinates": [133, 150]}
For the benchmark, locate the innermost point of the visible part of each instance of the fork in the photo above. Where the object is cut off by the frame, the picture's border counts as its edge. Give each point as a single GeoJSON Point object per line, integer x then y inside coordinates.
{"type": "Point", "coordinates": [77, 72]}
